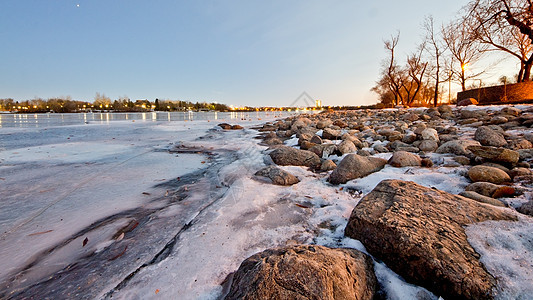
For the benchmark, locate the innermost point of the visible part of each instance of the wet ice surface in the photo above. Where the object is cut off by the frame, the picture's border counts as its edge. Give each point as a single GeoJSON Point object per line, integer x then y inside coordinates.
{"type": "Point", "coordinates": [170, 209]}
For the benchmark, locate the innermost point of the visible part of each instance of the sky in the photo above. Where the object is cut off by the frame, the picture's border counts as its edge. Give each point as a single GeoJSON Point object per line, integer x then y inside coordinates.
{"type": "Point", "coordinates": [238, 52]}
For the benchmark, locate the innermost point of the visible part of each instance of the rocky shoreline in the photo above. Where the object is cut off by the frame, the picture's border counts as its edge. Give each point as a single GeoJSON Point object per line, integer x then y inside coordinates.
{"type": "Point", "coordinates": [417, 230]}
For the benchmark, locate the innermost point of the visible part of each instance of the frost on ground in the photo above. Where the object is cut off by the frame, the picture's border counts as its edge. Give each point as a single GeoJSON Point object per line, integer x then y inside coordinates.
{"type": "Point", "coordinates": [506, 250]}
{"type": "Point", "coordinates": [189, 191]}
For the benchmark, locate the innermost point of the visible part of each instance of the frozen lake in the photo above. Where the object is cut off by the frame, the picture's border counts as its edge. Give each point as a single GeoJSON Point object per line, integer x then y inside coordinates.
{"type": "Point", "coordinates": [80, 191]}
{"type": "Point", "coordinates": [57, 119]}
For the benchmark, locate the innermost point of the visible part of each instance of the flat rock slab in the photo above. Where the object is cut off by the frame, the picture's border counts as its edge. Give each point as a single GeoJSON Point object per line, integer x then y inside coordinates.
{"type": "Point", "coordinates": [418, 232]}
{"type": "Point", "coordinates": [495, 154]}
{"type": "Point", "coordinates": [305, 272]}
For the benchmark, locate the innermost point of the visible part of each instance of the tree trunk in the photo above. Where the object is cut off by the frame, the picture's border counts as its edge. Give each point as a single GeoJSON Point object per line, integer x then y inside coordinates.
{"type": "Point", "coordinates": [521, 73]}
{"type": "Point", "coordinates": [527, 72]}
{"type": "Point", "coordinates": [436, 95]}
{"type": "Point", "coordinates": [463, 80]}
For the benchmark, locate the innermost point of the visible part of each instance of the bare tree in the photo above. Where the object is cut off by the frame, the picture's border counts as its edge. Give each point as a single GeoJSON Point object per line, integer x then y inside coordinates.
{"type": "Point", "coordinates": [464, 50]}
{"type": "Point", "coordinates": [505, 25]}
{"type": "Point", "coordinates": [401, 85]}
{"type": "Point", "coordinates": [394, 76]}
{"type": "Point", "coordinates": [436, 48]}
{"type": "Point", "coordinates": [416, 68]}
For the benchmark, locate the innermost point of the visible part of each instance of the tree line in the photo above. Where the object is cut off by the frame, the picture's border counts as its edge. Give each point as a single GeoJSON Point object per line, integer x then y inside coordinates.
{"type": "Point", "coordinates": [103, 103]}
{"type": "Point", "coordinates": [447, 52]}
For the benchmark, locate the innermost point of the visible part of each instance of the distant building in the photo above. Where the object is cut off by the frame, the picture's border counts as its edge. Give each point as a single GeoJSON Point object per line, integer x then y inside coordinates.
{"type": "Point", "coordinates": [318, 103]}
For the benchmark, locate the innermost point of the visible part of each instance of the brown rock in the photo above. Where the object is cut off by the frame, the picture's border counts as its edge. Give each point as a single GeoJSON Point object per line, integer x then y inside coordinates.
{"type": "Point", "coordinates": [483, 188]}
{"type": "Point", "coordinates": [504, 191]}
{"type": "Point", "coordinates": [482, 198]}
{"type": "Point", "coordinates": [316, 140]}
{"type": "Point", "coordinates": [404, 159]}
{"type": "Point", "coordinates": [346, 147]}
{"type": "Point", "coordinates": [288, 156]}
{"type": "Point", "coordinates": [327, 165]}
{"type": "Point", "coordinates": [354, 166]}
{"type": "Point", "coordinates": [520, 172]}
{"type": "Point", "coordinates": [488, 174]}
{"type": "Point", "coordinates": [331, 134]}
{"type": "Point", "coordinates": [305, 272]}
{"type": "Point", "coordinates": [495, 154]}
{"type": "Point", "coordinates": [466, 102]}
{"type": "Point", "coordinates": [277, 176]}
{"type": "Point", "coordinates": [273, 141]}
{"type": "Point", "coordinates": [419, 233]}
{"type": "Point", "coordinates": [463, 160]}
{"type": "Point", "coordinates": [306, 145]}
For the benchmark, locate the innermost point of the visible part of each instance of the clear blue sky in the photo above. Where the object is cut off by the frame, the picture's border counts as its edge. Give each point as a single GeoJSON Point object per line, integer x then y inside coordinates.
{"type": "Point", "coordinates": [249, 52]}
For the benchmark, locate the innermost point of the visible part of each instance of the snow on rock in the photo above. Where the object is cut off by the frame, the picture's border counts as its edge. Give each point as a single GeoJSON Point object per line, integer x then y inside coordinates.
{"type": "Point", "coordinates": [506, 250]}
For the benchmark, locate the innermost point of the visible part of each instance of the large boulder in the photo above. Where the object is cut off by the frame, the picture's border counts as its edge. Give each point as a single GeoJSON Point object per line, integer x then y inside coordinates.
{"type": "Point", "coordinates": [288, 156]}
{"type": "Point", "coordinates": [495, 154]}
{"type": "Point", "coordinates": [354, 166]}
{"type": "Point", "coordinates": [277, 176]}
{"type": "Point", "coordinates": [305, 272]}
{"type": "Point", "coordinates": [457, 147]}
{"type": "Point", "coordinates": [405, 159]}
{"type": "Point", "coordinates": [489, 137]}
{"type": "Point", "coordinates": [488, 174]}
{"type": "Point", "coordinates": [419, 233]}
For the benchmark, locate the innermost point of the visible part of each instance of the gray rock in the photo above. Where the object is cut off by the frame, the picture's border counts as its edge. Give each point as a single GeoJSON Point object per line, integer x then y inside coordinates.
{"type": "Point", "coordinates": [525, 154]}
{"type": "Point", "coordinates": [526, 208]}
{"type": "Point", "coordinates": [419, 233]}
{"type": "Point", "coordinates": [430, 134]}
{"type": "Point", "coordinates": [457, 147]}
{"type": "Point", "coordinates": [489, 137]}
{"type": "Point", "coordinates": [428, 146]}
{"type": "Point", "coordinates": [277, 176]}
{"type": "Point", "coordinates": [355, 166]}
{"type": "Point", "coordinates": [305, 272]}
